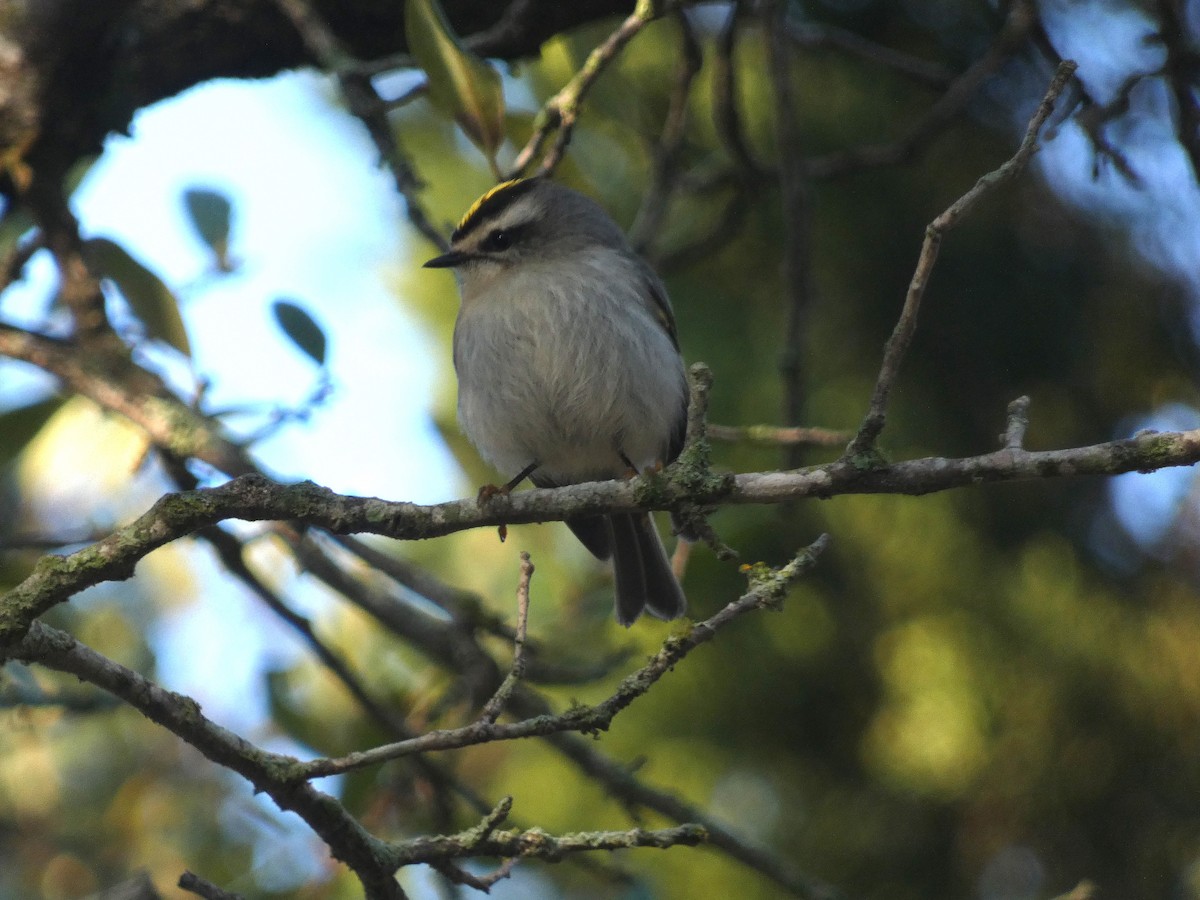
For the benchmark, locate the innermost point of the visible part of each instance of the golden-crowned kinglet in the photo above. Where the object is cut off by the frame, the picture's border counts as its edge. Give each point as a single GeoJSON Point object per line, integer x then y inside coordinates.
{"type": "Point", "coordinates": [568, 366]}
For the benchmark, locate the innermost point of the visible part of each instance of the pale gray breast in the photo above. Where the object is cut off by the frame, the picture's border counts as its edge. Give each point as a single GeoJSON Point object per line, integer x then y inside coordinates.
{"type": "Point", "coordinates": [567, 374]}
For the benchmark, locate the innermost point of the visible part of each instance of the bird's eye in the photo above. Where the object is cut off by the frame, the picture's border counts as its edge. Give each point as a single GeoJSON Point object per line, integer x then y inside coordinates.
{"type": "Point", "coordinates": [498, 240]}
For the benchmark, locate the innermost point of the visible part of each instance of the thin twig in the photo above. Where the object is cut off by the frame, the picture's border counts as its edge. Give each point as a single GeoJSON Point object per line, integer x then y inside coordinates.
{"type": "Point", "coordinates": [458, 875]}
{"type": "Point", "coordinates": [466, 607]}
{"type": "Point", "coordinates": [768, 588]}
{"type": "Point", "coordinates": [1018, 424]}
{"type": "Point", "coordinates": [624, 785]}
{"type": "Point", "coordinates": [1181, 69]}
{"type": "Point", "coordinates": [560, 113]}
{"type": "Point", "coordinates": [470, 614]}
{"type": "Point", "coordinates": [201, 887]}
{"type": "Point", "coordinates": [495, 706]}
{"type": "Point", "coordinates": [897, 345]}
{"type": "Point", "coordinates": [365, 103]}
{"type": "Point", "coordinates": [1021, 21]}
{"type": "Point", "coordinates": [822, 35]}
{"type": "Point", "coordinates": [140, 396]}
{"type": "Point", "coordinates": [664, 171]}
{"type": "Point", "coordinates": [694, 467]}
{"type": "Point", "coordinates": [726, 112]}
{"type": "Point", "coordinates": [231, 551]}
{"type": "Point", "coordinates": [267, 771]}
{"type": "Point", "coordinates": [78, 290]}
{"type": "Point", "coordinates": [776, 436]}
{"type": "Point", "coordinates": [798, 287]}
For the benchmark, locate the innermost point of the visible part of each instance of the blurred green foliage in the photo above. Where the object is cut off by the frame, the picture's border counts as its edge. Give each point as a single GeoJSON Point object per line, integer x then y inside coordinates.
{"type": "Point", "coordinates": [963, 685]}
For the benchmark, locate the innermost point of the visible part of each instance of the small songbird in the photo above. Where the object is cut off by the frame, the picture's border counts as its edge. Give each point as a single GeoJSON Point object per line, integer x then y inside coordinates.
{"type": "Point", "coordinates": [568, 365]}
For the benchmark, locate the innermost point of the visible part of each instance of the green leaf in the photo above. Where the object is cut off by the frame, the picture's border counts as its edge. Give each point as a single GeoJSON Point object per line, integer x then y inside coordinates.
{"type": "Point", "coordinates": [149, 298]}
{"type": "Point", "coordinates": [301, 328]}
{"type": "Point", "coordinates": [210, 212]}
{"type": "Point", "coordinates": [460, 83]}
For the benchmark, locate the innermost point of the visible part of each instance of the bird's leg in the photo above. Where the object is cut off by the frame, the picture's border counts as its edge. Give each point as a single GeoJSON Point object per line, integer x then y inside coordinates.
{"type": "Point", "coordinates": [632, 469]}
{"type": "Point", "coordinates": [488, 491]}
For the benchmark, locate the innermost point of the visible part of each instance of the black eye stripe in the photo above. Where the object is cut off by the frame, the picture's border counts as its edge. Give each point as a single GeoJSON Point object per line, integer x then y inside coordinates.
{"type": "Point", "coordinates": [501, 239]}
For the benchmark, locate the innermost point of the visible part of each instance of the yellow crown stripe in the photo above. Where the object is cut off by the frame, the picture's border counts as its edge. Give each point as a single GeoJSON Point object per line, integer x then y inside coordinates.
{"type": "Point", "coordinates": [500, 188]}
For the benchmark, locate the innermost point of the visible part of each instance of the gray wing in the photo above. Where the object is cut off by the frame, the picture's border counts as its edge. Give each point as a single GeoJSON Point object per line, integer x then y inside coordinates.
{"type": "Point", "coordinates": [661, 307]}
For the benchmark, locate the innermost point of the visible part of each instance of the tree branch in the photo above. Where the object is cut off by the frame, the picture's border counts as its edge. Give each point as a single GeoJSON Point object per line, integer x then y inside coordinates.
{"type": "Point", "coordinates": [365, 103]}
{"type": "Point", "coordinates": [537, 844]}
{"type": "Point", "coordinates": [798, 282]}
{"type": "Point", "coordinates": [767, 589]}
{"type": "Point", "coordinates": [79, 70]}
{"type": "Point", "coordinates": [255, 498]}
{"type": "Point", "coordinates": [897, 344]}
{"type": "Point", "coordinates": [1021, 20]}
{"type": "Point", "coordinates": [118, 385]}
{"type": "Point", "coordinates": [346, 838]}
{"type": "Point", "coordinates": [561, 111]}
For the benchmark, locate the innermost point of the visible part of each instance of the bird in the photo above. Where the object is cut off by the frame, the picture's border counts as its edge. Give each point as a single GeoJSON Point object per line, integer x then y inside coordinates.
{"type": "Point", "coordinates": [568, 364]}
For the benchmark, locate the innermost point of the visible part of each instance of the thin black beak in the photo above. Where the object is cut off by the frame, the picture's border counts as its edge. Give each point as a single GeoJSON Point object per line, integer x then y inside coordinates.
{"type": "Point", "coordinates": [447, 260]}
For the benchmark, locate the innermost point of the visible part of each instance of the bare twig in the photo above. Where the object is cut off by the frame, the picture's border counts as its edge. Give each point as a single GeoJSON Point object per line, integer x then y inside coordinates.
{"type": "Point", "coordinates": [1092, 118]}
{"type": "Point", "coordinates": [822, 35]}
{"type": "Point", "coordinates": [201, 887]}
{"type": "Point", "coordinates": [767, 588]}
{"type": "Point", "coordinates": [134, 393]}
{"type": "Point", "coordinates": [458, 875]}
{"type": "Point", "coordinates": [694, 468]}
{"type": "Point", "coordinates": [623, 785]}
{"type": "Point", "coordinates": [78, 290]}
{"type": "Point", "coordinates": [559, 114]}
{"type": "Point", "coordinates": [278, 776]}
{"type": "Point", "coordinates": [537, 844]}
{"type": "Point", "coordinates": [664, 170]}
{"type": "Point", "coordinates": [470, 614]}
{"type": "Point", "coordinates": [346, 838]}
{"type": "Point", "coordinates": [1018, 423]}
{"type": "Point", "coordinates": [775, 436]}
{"type": "Point", "coordinates": [465, 607]}
{"type": "Point", "coordinates": [897, 345]}
{"type": "Point", "coordinates": [495, 706]}
{"type": "Point", "coordinates": [364, 103]}
{"type": "Point", "coordinates": [1182, 69]}
{"type": "Point", "coordinates": [230, 551]}
{"type": "Point", "coordinates": [726, 112]}
{"type": "Point", "coordinates": [445, 642]}
{"type": "Point", "coordinates": [1021, 20]}
{"type": "Point", "coordinates": [798, 287]}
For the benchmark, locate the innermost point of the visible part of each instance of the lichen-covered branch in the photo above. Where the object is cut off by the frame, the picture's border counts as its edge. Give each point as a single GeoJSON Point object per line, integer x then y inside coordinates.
{"type": "Point", "coordinates": [346, 838]}
{"type": "Point", "coordinates": [768, 587]}
{"type": "Point", "coordinates": [256, 498]}
{"type": "Point", "coordinates": [285, 779]}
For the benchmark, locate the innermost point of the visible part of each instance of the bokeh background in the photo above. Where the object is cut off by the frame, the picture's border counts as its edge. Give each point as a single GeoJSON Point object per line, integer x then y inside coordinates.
{"type": "Point", "coordinates": [992, 692]}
